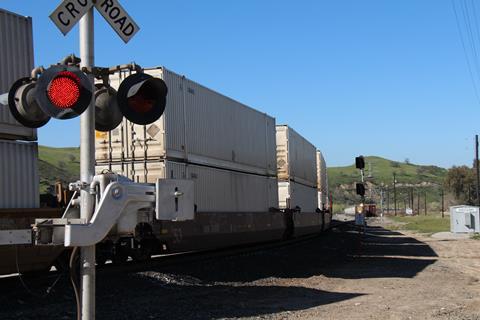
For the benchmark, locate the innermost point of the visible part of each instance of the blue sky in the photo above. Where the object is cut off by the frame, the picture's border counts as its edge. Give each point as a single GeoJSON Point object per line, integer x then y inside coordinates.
{"type": "Point", "coordinates": [386, 78]}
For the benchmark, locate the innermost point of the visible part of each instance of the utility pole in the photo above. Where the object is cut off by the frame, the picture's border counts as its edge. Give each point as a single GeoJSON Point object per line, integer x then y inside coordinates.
{"type": "Point", "coordinates": [418, 202]}
{"type": "Point", "coordinates": [477, 170]}
{"type": "Point", "coordinates": [443, 204]}
{"type": "Point", "coordinates": [425, 203]}
{"type": "Point", "coordinates": [87, 170]}
{"type": "Point", "coordinates": [388, 200]}
{"type": "Point", "coordinates": [395, 193]}
{"type": "Point", "coordinates": [411, 198]}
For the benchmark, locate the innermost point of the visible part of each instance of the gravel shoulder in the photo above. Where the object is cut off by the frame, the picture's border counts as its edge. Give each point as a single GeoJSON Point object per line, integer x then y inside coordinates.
{"type": "Point", "coordinates": [339, 275]}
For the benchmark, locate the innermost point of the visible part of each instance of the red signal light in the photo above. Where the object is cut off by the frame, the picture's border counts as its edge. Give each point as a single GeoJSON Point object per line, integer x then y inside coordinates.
{"type": "Point", "coordinates": [64, 90]}
{"type": "Point", "coordinates": [140, 104]}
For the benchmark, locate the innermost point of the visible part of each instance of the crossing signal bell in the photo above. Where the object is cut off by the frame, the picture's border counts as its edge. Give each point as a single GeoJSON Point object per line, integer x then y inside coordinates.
{"type": "Point", "coordinates": [23, 104]}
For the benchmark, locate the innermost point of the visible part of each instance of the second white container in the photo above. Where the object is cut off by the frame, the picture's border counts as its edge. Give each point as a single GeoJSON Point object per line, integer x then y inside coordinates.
{"type": "Point", "coordinates": [216, 190]}
{"type": "Point", "coordinates": [296, 157]}
{"type": "Point", "coordinates": [292, 195]}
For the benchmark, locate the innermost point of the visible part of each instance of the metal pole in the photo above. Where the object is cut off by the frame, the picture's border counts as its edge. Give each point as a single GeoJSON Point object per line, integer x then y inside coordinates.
{"type": "Point", "coordinates": [443, 204]}
{"type": "Point", "coordinates": [418, 202]}
{"type": "Point", "coordinates": [388, 201]}
{"type": "Point", "coordinates": [395, 193]}
{"type": "Point", "coordinates": [411, 198]}
{"type": "Point", "coordinates": [477, 169]}
{"type": "Point", "coordinates": [87, 170]}
{"type": "Point", "coordinates": [425, 203]}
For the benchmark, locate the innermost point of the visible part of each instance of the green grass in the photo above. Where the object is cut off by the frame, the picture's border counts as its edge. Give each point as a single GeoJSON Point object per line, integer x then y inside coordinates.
{"type": "Point", "coordinates": [431, 223]}
{"type": "Point", "coordinates": [57, 164]}
{"type": "Point", "coordinates": [475, 236]}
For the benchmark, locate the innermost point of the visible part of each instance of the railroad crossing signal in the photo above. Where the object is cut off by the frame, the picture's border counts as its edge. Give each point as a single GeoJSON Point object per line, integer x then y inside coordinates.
{"type": "Point", "coordinates": [68, 13]}
{"type": "Point", "coordinates": [360, 189]}
{"type": "Point", "coordinates": [360, 162]}
{"type": "Point", "coordinates": [64, 92]}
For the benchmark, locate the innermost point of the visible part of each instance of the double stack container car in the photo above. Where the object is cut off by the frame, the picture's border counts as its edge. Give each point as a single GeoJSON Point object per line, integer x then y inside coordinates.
{"type": "Point", "coordinates": [19, 179]}
{"type": "Point", "coordinates": [297, 181]}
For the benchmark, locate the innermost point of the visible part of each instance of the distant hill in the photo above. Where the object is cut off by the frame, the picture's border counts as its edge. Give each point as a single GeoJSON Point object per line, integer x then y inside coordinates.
{"type": "Point", "coordinates": [57, 164]}
{"type": "Point", "coordinates": [379, 170]}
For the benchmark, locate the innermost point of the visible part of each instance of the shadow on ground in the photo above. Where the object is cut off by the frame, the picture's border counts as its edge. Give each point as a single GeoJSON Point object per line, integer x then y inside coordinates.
{"type": "Point", "coordinates": [250, 285]}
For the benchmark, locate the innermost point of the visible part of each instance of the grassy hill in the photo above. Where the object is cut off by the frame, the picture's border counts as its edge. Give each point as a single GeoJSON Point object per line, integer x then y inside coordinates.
{"type": "Point", "coordinates": [379, 170]}
{"type": "Point", "coordinates": [57, 164]}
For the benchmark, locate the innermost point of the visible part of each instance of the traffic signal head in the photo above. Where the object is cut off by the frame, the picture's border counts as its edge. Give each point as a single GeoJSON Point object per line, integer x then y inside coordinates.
{"type": "Point", "coordinates": [360, 189]}
{"type": "Point", "coordinates": [107, 113]}
{"type": "Point", "coordinates": [63, 92]}
{"type": "Point", "coordinates": [23, 106]}
{"type": "Point", "coordinates": [360, 162]}
{"type": "Point", "coordinates": [142, 98]}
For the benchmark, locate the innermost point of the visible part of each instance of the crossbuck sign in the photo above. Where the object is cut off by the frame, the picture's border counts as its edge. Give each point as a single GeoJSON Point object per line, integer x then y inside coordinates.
{"type": "Point", "coordinates": [69, 12]}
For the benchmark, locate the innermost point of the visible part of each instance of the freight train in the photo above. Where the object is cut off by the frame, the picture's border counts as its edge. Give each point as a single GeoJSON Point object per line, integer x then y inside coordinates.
{"type": "Point", "coordinates": [255, 181]}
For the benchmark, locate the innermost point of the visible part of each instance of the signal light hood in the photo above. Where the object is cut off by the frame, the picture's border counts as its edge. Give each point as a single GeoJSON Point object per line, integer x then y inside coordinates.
{"type": "Point", "coordinates": [23, 106]}
{"type": "Point", "coordinates": [142, 98]}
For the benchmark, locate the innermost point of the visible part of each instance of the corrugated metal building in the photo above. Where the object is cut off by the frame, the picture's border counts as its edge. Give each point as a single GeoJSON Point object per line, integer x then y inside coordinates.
{"type": "Point", "coordinates": [16, 61]}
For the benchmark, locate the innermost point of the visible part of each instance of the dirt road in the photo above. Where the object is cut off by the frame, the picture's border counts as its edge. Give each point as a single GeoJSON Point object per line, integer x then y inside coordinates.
{"type": "Point", "coordinates": [339, 275]}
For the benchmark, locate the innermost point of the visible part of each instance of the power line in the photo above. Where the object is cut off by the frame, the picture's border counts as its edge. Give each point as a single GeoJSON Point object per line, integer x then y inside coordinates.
{"type": "Point", "coordinates": [472, 78]}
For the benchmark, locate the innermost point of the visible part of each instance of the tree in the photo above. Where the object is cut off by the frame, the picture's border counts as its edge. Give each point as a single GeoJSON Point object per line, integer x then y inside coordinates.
{"type": "Point", "coordinates": [407, 161]}
{"type": "Point", "coordinates": [394, 164]}
{"type": "Point", "coordinates": [460, 181]}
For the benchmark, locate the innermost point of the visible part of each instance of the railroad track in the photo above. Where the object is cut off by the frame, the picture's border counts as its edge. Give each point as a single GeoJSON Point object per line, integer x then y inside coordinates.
{"type": "Point", "coordinates": [196, 256]}
{"type": "Point", "coordinates": [47, 281]}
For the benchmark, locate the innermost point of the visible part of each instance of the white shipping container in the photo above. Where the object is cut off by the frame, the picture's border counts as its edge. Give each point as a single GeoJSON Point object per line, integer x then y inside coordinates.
{"type": "Point", "coordinates": [216, 190]}
{"type": "Point", "coordinates": [16, 61]}
{"type": "Point", "coordinates": [19, 181]}
{"type": "Point", "coordinates": [322, 180]}
{"type": "Point", "coordinates": [292, 195]}
{"type": "Point", "coordinates": [296, 157]}
{"type": "Point", "coordinates": [199, 126]}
